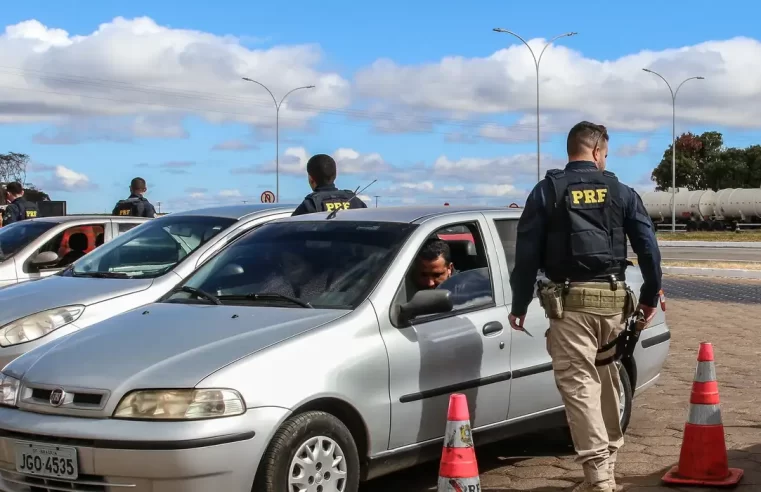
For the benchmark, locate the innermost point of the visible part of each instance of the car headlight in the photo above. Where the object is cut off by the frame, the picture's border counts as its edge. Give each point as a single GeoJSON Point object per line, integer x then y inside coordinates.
{"type": "Point", "coordinates": [8, 390]}
{"type": "Point", "coordinates": [180, 404]}
{"type": "Point", "coordinates": [38, 325]}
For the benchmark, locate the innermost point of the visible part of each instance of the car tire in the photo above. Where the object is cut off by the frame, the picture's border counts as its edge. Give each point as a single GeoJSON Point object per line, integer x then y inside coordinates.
{"type": "Point", "coordinates": [626, 395]}
{"type": "Point", "coordinates": [305, 434]}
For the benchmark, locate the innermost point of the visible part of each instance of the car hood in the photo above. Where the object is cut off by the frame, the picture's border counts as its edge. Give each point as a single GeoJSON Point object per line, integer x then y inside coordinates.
{"type": "Point", "coordinates": [17, 301]}
{"type": "Point", "coordinates": [163, 345]}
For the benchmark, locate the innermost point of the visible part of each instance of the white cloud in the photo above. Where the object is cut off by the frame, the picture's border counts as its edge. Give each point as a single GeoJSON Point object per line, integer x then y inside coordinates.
{"type": "Point", "coordinates": [230, 193]}
{"type": "Point", "coordinates": [234, 145]}
{"type": "Point", "coordinates": [59, 178]}
{"type": "Point", "coordinates": [616, 93]}
{"type": "Point", "coordinates": [348, 161]}
{"type": "Point", "coordinates": [630, 150]}
{"type": "Point", "coordinates": [135, 67]}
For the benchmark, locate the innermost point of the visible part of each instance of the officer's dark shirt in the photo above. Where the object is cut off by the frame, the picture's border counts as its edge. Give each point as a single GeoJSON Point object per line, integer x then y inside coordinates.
{"type": "Point", "coordinates": [532, 231]}
{"type": "Point", "coordinates": [148, 208]}
{"type": "Point", "coordinates": [15, 211]}
{"type": "Point", "coordinates": [305, 207]}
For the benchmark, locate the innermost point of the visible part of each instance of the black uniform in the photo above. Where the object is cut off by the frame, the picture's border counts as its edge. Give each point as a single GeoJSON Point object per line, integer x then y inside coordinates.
{"type": "Point", "coordinates": [327, 199]}
{"type": "Point", "coordinates": [20, 209]}
{"type": "Point", "coordinates": [134, 206]}
{"type": "Point", "coordinates": [575, 225]}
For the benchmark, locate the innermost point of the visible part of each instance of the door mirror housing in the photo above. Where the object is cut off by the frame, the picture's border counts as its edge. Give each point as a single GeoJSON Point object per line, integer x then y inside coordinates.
{"type": "Point", "coordinates": [46, 258]}
{"type": "Point", "coordinates": [424, 302]}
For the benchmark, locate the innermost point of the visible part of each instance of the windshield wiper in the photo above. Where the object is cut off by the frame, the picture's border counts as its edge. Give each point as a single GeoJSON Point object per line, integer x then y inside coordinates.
{"type": "Point", "coordinates": [263, 296]}
{"type": "Point", "coordinates": [99, 274]}
{"type": "Point", "coordinates": [199, 293]}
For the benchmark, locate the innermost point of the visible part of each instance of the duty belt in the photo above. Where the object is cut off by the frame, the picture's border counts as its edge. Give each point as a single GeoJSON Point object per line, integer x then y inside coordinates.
{"type": "Point", "coordinates": [625, 342]}
{"type": "Point", "coordinates": [595, 295]}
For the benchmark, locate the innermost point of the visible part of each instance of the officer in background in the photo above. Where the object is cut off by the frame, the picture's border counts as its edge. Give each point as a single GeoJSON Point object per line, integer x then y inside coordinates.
{"type": "Point", "coordinates": [136, 205]}
{"type": "Point", "coordinates": [574, 227]}
{"type": "Point", "coordinates": [321, 172]}
{"type": "Point", "coordinates": [18, 208]}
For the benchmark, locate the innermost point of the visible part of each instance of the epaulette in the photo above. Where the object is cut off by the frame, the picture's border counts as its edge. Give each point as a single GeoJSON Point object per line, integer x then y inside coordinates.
{"type": "Point", "coordinates": [555, 173]}
{"type": "Point", "coordinates": [609, 174]}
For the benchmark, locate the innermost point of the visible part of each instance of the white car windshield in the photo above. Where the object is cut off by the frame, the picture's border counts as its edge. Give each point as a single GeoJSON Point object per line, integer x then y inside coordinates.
{"type": "Point", "coordinates": [150, 249]}
{"type": "Point", "coordinates": [325, 264]}
{"type": "Point", "coordinates": [16, 236]}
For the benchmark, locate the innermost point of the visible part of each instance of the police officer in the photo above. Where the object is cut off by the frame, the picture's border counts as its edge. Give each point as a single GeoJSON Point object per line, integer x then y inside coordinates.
{"type": "Point", "coordinates": [18, 208]}
{"type": "Point", "coordinates": [321, 172]}
{"type": "Point", "coordinates": [136, 205]}
{"type": "Point", "coordinates": [574, 227]}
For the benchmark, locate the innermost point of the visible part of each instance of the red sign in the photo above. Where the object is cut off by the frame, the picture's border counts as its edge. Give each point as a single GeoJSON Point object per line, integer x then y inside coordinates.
{"type": "Point", "coordinates": [514, 205]}
{"type": "Point", "coordinates": [268, 197]}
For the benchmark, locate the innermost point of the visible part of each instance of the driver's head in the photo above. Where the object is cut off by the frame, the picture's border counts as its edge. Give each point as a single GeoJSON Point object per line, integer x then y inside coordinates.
{"type": "Point", "coordinates": [433, 264]}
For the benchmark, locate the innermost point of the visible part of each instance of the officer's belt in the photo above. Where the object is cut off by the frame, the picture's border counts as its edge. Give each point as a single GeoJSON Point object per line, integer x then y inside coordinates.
{"type": "Point", "coordinates": [595, 295]}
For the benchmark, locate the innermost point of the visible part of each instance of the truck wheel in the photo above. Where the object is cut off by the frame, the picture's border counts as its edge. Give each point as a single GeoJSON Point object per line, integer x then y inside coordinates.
{"type": "Point", "coordinates": [312, 451]}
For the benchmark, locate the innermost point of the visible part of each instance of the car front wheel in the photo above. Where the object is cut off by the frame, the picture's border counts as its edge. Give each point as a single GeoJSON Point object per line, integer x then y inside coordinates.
{"type": "Point", "coordinates": [311, 452]}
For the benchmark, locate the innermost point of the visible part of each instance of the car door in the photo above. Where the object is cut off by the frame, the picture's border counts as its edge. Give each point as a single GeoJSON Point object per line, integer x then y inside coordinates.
{"type": "Point", "coordinates": [466, 350]}
{"type": "Point", "coordinates": [69, 243]}
{"type": "Point", "coordinates": [533, 386]}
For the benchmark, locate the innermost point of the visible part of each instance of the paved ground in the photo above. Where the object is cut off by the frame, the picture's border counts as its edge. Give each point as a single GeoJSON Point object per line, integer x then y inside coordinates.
{"type": "Point", "coordinates": [681, 253]}
{"type": "Point", "coordinates": [725, 313]}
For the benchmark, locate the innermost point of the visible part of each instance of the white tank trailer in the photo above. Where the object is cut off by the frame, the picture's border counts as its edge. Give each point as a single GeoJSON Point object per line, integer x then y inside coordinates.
{"type": "Point", "coordinates": [707, 210]}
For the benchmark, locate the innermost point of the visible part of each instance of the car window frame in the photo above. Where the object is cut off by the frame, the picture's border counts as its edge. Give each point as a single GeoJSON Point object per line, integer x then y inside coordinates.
{"type": "Point", "coordinates": [26, 266]}
{"type": "Point", "coordinates": [395, 302]}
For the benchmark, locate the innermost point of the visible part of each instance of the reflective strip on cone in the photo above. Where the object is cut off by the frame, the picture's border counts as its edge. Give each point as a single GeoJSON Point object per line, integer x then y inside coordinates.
{"type": "Point", "coordinates": [459, 484]}
{"type": "Point", "coordinates": [704, 415]}
{"type": "Point", "coordinates": [458, 434]}
{"type": "Point", "coordinates": [705, 372]}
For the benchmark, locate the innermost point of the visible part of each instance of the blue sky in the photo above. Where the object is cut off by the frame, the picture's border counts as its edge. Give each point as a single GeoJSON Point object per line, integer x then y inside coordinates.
{"type": "Point", "coordinates": [86, 134]}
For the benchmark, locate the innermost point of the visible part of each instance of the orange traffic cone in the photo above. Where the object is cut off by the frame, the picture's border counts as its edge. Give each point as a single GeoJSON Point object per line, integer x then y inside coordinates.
{"type": "Point", "coordinates": [458, 471]}
{"type": "Point", "coordinates": [703, 459]}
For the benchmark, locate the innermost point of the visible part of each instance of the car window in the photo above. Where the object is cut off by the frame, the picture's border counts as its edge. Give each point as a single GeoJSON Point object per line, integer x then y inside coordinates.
{"type": "Point", "coordinates": [16, 236]}
{"type": "Point", "coordinates": [470, 280]}
{"type": "Point", "coordinates": [153, 249]}
{"type": "Point", "coordinates": [71, 244]}
{"type": "Point", "coordinates": [508, 234]}
{"type": "Point", "coordinates": [327, 264]}
{"type": "Point", "coordinates": [126, 226]}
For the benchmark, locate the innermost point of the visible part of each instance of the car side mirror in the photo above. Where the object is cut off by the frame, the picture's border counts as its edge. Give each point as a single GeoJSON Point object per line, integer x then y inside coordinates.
{"type": "Point", "coordinates": [433, 301]}
{"type": "Point", "coordinates": [46, 258]}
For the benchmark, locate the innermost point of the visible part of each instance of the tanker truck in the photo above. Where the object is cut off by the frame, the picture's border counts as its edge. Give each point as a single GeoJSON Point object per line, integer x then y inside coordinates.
{"type": "Point", "coordinates": [706, 210]}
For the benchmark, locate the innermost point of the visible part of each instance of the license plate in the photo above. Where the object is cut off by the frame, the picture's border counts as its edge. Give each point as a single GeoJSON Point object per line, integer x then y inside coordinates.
{"type": "Point", "coordinates": [46, 460]}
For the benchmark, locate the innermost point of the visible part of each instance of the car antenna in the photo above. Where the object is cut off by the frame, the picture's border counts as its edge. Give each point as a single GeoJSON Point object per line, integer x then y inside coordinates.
{"type": "Point", "coordinates": [357, 191]}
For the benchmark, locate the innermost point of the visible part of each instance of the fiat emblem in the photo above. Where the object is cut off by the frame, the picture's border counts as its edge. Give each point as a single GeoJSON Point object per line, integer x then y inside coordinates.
{"type": "Point", "coordinates": [56, 397]}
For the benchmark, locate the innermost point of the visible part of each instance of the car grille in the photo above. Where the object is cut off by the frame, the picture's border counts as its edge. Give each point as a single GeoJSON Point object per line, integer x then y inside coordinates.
{"type": "Point", "coordinates": [74, 399]}
{"type": "Point", "coordinates": [85, 483]}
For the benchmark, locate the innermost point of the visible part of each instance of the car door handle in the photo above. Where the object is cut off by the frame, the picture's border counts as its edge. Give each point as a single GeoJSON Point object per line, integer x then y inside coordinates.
{"type": "Point", "coordinates": [492, 327]}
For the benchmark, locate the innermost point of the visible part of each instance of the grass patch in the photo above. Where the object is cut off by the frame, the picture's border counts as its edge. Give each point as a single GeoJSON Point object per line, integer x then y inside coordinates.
{"type": "Point", "coordinates": [715, 236]}
{"type": "Point", "coordinates": [738, 265]}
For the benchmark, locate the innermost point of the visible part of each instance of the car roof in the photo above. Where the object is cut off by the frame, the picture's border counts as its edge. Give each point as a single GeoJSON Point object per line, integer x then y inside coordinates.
{"type": "Point", "coordinates": [235, 211]}
{"type": "Point", "coordinates": [404, 214]}
{"type": "Point", "coordinates": [61, 219]}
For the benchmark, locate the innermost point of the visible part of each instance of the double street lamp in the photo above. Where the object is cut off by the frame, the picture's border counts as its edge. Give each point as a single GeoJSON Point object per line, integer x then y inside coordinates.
{"type": "Point", "coordinates": [277, 130]}
{"type": "Point", "coordinates": [536, 64]}
{"type": "Point", "coordinates": [673, 141]}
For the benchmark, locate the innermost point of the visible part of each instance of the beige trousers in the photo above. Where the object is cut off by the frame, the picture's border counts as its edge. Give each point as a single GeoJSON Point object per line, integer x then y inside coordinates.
{"type": "Point", "coordinates": [590, 394]}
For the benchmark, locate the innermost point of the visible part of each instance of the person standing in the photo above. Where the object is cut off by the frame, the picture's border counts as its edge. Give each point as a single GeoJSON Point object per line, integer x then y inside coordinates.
{"type": "Point", "coordinates": [325, 197]}
{"type": "Point", "coordinates": [136, 205]}
{"type": "Point", "coordinates": [18, 207]}
{"type": "Point", "coordinates": [574, 227]}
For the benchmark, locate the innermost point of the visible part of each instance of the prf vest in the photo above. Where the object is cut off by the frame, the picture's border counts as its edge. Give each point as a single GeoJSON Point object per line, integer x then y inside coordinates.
{"type": "Point", "coordinates": [328, 201]}
{"type": "Point", "coordinates": [586, 239]}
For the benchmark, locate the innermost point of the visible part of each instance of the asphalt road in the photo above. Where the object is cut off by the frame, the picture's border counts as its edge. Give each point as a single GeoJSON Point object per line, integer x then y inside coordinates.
{"type": "Point", "coordinates": [678, 253]}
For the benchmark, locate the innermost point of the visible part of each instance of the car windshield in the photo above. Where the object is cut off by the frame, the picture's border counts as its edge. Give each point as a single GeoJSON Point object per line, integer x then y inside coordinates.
{"type": "Point", "coordinates": [150, 249]}
{"type": "Point", "coordinates": [325, 264]}
{"type": "Point", "coordinates": [16, 236]}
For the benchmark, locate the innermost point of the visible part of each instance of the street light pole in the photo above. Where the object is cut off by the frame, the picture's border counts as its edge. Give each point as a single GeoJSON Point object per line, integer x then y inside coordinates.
{"type": "Point", "coordinates": [673, 141]}
{"type": "Point", "coordinates": [536, 64]}
{"type": "Point", "coordinates": [277, 130]}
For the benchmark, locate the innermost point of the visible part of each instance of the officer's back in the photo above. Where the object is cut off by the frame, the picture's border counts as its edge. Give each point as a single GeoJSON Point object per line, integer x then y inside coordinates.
{"type": "Point", "coordinates": [136, 205]}
{"type": "Point", "coordinates": [325, 197]}
{"type": "Point", "coordinates": [18, 207]}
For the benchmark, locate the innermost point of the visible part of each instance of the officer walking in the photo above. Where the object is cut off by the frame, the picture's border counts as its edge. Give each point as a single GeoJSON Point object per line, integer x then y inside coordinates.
{"type": "Point", "coordinates": [574, 227]}
{"type": "Point", "coordinates": [136, 205]}
{"type": "Point", "coordinates": [18, 208]}
{"type": "Point", "coordinates": [321, 172]}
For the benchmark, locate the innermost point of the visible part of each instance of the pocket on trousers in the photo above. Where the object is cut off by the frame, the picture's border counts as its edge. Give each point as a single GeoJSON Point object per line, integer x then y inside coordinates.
{"type": "Point", "coordinates": [561, 364]}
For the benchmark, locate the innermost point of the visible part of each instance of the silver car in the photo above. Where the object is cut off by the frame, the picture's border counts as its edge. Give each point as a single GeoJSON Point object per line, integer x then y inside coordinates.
{"type": "Point", "coordinates": [302, 357]}
{"type": "Point", "coordinates": [37, 248]}
{"type": "Point", "coordinates": [134, 269]}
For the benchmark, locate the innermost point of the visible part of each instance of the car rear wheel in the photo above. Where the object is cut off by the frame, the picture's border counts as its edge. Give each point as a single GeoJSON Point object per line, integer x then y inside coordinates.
{"type": "Point", "coordinates": [625, 396]}
{"type": "Point", "coordinates": [310, 452]}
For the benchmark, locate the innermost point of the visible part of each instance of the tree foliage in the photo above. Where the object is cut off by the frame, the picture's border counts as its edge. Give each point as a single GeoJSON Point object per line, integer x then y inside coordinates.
{"type": "Point", "coordinates": [13, 167]}
{"type": "Point", "coordinates": [703, 162]}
